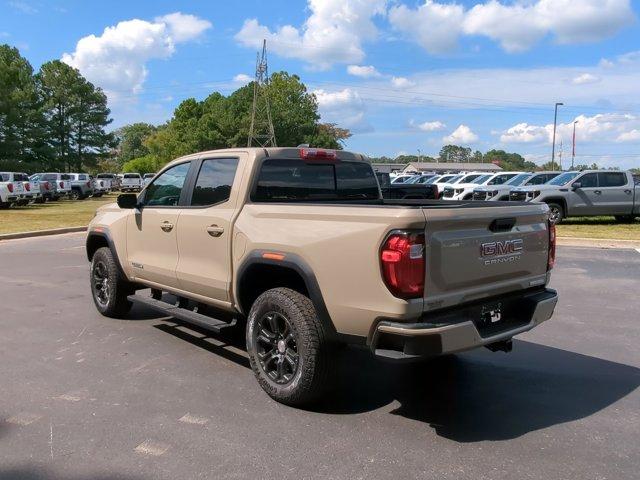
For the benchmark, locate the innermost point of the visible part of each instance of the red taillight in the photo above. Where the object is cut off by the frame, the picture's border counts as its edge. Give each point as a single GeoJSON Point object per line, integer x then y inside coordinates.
{"type": "Point", "coordinates": [403, 265]}
{"type": "Point", "coordinates": [552, 246]}
{"type": "Point", "coordinates": [318, 155]}
{"type": "Point", "coordinates": [10, 187]}
{"type": "Point", "coordinates": [61, 184]}
{"type": "Point", "coordinates": [27, 185]}
{"type": "Point", "coordinates": [89, 184]}
{"type": "Point", "coordinates": [46, 185]}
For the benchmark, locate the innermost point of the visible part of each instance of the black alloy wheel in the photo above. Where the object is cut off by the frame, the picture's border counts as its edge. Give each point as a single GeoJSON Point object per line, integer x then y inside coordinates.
{"type": "Point", "coordinates": [276, 347]}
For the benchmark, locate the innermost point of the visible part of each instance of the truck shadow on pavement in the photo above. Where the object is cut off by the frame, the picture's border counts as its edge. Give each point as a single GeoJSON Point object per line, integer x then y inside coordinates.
{"type": "Point", "coordinates": [481, 395]}
{"type": "Point", "coordinates": [470, 397]}
{"type": "Point", "coordinates": [37, 473]}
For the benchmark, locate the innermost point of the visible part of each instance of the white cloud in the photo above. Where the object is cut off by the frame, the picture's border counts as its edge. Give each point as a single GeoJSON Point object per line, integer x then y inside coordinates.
{"type": "Point", "coordinates": [333, 33]}
{"type": "Point", "coordinates": [364, 71]}
{"type": "Point", "coordinates": [434, 26]}
{"type": "Point", "coordinates": [401, 82]}
{"type": "Point", "coordinates": [517, 26]}
{"type": "Point", "coordinates": [630, 136]}
{"type": "Point", "coordinates": [461, 135]}
{"type": "Point", "coordinates": [602, 127]}
{"type": "Point", "coordinates": [344, 107]}
{"type": "Point", "coordinates": [116, 60]}
{"type": "Point", "coordinates": [242, 78]}
{"type": "Point", "coordinates": [183, 27]}
{"type": "Point", "coordinates": [23, 7]}
{"type": "Point", "coordinates": [585, 78]}
{"type": "Point", "coordinates": [428, 126]}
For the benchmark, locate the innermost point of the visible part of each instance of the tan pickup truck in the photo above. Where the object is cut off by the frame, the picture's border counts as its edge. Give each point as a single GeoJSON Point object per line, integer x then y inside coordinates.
{"type": "Point", "coordinates": [299, 245]}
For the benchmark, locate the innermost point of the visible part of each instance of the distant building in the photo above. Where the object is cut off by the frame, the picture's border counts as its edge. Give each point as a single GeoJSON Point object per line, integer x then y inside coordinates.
{"type": "Point", "coordinates": [388, 167]}
{"type": "Point", "coordinates": [417, 167]}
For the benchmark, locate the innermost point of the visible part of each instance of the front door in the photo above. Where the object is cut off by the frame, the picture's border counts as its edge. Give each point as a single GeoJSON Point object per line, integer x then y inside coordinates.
{"type": "Point", "coordinates": [583, 200]}
{"type": "Point", "coordinates": [204, 236]}
{"type": "Point", "coordinates": [152, 248]}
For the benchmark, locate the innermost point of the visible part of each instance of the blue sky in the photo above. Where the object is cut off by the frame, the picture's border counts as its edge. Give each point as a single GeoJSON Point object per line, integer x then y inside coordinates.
{"type": "Point", "coordinates": [403, 75]}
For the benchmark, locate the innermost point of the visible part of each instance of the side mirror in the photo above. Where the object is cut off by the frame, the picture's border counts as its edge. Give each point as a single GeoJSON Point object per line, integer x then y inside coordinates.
{"type": "Point", "coordinates": [127, 200]}
{"type": "Point", "coordinates": [576, 185]}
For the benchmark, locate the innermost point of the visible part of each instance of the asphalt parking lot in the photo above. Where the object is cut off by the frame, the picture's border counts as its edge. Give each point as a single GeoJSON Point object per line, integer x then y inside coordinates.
{"type": "Point", "coordinates": [85, 397]}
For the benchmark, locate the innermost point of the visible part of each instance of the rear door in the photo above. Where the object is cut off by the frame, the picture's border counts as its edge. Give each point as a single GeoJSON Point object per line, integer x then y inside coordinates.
{"type": "Point", "coordinates": [477, 252]}
{"type": "Point", "coordinates": [205, 232]}
{"type": "Point", "coordinates": [616, 196]}
{"type": "Point", "coordinates": [152, 247]}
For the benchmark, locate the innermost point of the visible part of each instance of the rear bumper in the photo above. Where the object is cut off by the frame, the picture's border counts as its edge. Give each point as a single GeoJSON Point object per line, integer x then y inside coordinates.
{"type": "Point", "coordinates": [461, 329]}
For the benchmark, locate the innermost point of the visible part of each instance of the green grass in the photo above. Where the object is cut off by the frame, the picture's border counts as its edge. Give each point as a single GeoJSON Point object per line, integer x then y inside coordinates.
{"type": "Point", "coordinates": [69, 213]}
{"type": "Point", "coordinates": [63, 213]}
{"type": "Point", "coordinates": [599, 227]}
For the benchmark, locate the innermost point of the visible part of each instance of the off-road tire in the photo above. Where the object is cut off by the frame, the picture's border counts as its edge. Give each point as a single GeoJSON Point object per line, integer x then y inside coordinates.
{"type": "Point", "coordinates": [119, 288]}
{"type": "Point", "coordinates": [314, 351]}
{"type": "Point", "coordinates": [556, 218]}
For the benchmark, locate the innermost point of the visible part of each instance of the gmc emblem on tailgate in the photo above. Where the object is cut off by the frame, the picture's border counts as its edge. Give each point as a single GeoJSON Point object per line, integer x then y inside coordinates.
{"type": "Point", "coordinates": [502, 251]}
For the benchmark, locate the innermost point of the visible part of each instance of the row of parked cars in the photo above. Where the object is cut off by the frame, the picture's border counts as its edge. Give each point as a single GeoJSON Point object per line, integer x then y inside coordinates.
{"type": "Point", "coordinates": [19, 189]}
{"type": "Point", "coordinates": [572, 193]}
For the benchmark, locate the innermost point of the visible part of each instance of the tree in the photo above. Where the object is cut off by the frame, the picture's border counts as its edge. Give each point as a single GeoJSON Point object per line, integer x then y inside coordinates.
{"type": "Point", "coordinates": [76, 114]}
{"type": "Point", "coordinates": [509, 161]}
{"type": "Point", "coordinates": [142, 165]}
{"type": "Point", "coordinates": [131, 140]}
{"type": "Point", "coordinates": [454, 153]}
{"type": "Point", "coordinates": [21, 119]}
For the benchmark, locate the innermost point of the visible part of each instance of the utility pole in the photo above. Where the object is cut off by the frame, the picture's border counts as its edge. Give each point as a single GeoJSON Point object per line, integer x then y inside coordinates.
{"type": "Point", "coordinates": [261, 133]}
{"type": "Point", "coordinates": [553, 146]}
{"type": "Point", "coordinates": [419, 156]}
{"type": "Point", "coordinates": [573, 150]}
{"type": "Point", "coordinates": [560, 156]}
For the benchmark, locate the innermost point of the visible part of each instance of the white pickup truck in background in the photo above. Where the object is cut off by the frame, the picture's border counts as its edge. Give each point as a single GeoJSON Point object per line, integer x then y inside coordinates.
{"type": "Point", "coordinates": [131, 182]}
{"type": "Point", "coordinates": [11, 190]}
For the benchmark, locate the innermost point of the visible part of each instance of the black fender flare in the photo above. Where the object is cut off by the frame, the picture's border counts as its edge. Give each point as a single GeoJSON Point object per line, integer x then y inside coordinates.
{"type": "Point", "coordinates": [106, 236]}
{"type": "Point", "coordinates": [296, 263]}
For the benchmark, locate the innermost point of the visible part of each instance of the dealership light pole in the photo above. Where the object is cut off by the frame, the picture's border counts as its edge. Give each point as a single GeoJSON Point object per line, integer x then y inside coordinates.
{"type": "Point", "coordinates": [573, 150]}
{"type": "Point", "coordinates": [555, 122]}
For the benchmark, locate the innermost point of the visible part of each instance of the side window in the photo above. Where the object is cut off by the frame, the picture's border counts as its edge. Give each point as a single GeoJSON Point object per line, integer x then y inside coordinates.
{"type": "Point", "coordinates": [166, 189]}
{"type": "Point", "coordinates": [612, 179]}
{"type": "Point", "coordinates": [214, 182]}
{"type": "Point", "coordinates": [588, 180]}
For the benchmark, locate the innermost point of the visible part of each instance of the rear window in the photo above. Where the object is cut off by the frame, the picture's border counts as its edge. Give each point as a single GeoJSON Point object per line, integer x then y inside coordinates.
{"type": "Point", "coordinates": [612, 179]}
{"type": "Point", "coordinates": [131, 175]}
{"type": "Point", "coordinates": [105, 175]}
{"type": "Point", "coordinates": [65, 177]}
{"type": "Point", "coordinates": [295, 180]}
{"type": "Point", "coordinates": [4, 177]}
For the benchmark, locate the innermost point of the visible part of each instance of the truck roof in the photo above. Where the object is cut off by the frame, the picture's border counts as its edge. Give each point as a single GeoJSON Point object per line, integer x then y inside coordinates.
{"type": "Point", "coordinates": [276, 152]}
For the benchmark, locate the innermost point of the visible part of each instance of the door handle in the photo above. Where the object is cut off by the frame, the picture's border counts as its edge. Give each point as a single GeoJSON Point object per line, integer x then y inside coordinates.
{"type": "Point", "coordinates": [598, 192]}
{"type": "Point", "coordinates": [628, 192]}
{"type": "Point", "coordinates": [215, 230]}
{"type": "Point", "coordinates": [166, 226]}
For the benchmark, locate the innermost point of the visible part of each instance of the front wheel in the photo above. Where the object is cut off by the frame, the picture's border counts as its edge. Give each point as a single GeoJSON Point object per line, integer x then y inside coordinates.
{"type": "Point", "coordinates": [109, 289]}
{"type": "Point", "coordinates": [287, 348]}
{"type": "Point", "coordinates": [556, 213]}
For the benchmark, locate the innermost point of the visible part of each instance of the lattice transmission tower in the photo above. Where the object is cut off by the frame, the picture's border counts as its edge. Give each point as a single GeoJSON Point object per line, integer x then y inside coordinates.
{"type": "Point", "coordinates": [261, 133]}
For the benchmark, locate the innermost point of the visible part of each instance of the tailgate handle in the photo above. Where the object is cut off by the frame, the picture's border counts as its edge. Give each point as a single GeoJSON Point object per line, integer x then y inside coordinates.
{"type": "Point", "coordinates": [502, 224]}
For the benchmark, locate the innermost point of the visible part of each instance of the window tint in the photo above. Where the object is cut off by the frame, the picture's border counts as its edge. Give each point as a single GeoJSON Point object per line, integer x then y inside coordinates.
{"type": "Point", "coordinates": [537, 180]}
{"type": "Point", "coordinates": [588, 180]}
{"type": "Point", "coordinates": [4, 176]}
{"type": "Point", "coordinates": [166, 189]}
{"type": "Point", "coordinates": [131, 175]}
{"type": "Point", "coordinates": [214, 181]}
{"type": "Point", "coordinates": [64, 176]}
{"type": "Point", "coordinates": [282, 180]}
{"type": "Point", "coordinates": [20, 177]}
{"type": "Point", "coordinates": [612, 179]}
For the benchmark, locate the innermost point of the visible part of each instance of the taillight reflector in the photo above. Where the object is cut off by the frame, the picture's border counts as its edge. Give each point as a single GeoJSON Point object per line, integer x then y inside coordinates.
{"type": "Point", "coordinates": [552, 246]}
{"type": "Point", "coordinates": [403, 264]}
{"type": "Point", "coordinates": [318, 155]}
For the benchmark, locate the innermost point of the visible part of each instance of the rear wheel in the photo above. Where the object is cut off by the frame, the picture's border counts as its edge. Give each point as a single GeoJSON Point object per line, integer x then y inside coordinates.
{"type": "Point", "coordinates": [109, 289]}
{"type": "Point", "coordinates": [289, 354]}
{"type": "Point", "coordinates": [556, 213]}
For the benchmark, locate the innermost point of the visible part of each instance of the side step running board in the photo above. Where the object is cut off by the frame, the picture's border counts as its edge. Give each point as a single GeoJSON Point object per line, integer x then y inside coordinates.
{"type": "Point", "coordinates": [183, 314]}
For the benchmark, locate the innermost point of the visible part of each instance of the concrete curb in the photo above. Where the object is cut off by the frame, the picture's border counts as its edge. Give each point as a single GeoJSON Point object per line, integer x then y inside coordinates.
{"type": "Point", "coordinates": [41, 233]}
{"type": "Point", "coordinates": [597, 242]}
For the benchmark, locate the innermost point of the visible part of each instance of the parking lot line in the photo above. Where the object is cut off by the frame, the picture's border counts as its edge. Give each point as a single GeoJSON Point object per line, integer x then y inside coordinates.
{"type": "Point", "coordinates": [151, 447]}
{"type": "Point", "coordinates": [24, 418]}
{"type": "Point", "coordinates": [194, 419]}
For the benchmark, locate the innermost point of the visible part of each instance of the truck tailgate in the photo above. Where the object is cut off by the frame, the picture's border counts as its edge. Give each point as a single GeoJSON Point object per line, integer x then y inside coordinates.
{"type": "Point", "coordinates": [475, 253]}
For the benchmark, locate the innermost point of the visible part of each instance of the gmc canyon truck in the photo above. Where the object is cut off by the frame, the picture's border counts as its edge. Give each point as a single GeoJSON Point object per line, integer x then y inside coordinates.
{"type": "Point", "coordinates": [300, 246]}
{"type": "Point", "coordinates": [586, 193]}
